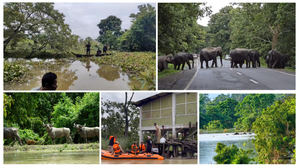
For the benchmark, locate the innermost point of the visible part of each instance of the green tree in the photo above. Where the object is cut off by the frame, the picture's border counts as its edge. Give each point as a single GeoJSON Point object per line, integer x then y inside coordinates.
{"type": "Point", "coordinates": [142, 34]}
{"type": "Point", "coordinates": [232, 155]}
{"type": "Point", "coordinates": [251, 108]}
{"type": "Point", "coordinates": [177, 27]}
{"type": "Point", "coordinates": [110, 30]}
{"type": "Point", "coordinates": [40, 23]}
{"type": "Point", "coordinates": [275, 132]}
{"type": "Point", "coordinates": [219, 29]}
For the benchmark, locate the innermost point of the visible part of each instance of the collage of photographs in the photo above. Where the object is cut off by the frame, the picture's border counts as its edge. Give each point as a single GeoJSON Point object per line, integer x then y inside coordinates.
{"type": "Point", "coordinates": [108, 83]}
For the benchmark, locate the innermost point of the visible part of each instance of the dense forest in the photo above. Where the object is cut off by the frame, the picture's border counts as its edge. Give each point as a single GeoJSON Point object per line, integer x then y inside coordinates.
{"type": "Point", "coordinates": [38, 30]}
{"type": "Point", "coordinates": [234, 110]}
{"type": "Point", "coordinates": [257, 26]}
{"type": "Point", "coordinates": [272, 118]}
{"type": "Point", "coordinates": [28, 112]}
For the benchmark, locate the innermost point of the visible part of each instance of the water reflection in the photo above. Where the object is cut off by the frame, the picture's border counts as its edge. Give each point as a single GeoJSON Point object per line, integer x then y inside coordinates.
{"type": "Point", "coordinates": [109, 72]}
{"type": "Point", "coordinates": [82, 74]}
{"type": "Point", "coordinates": [65, 157]}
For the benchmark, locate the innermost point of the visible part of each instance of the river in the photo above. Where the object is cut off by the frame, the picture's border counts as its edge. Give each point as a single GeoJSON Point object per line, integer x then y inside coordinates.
{"type": "Point", "coordinates": [42, 157]}
{"type": "Point", "coordinates": [208, 143]}
{"type": "Point", "coordinates": [78, 74]}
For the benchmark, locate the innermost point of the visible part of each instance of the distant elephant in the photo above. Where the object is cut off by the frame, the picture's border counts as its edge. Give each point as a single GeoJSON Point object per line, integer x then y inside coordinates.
{"type": "Point", "coordinates": [182, 58]}
{"type": "Point", "coordinates": [239, 55]}
{"type": "Point", "coordinates": [163, 62]}
{"type": "Point", "coordinates": [210, 53]}
{"type": "Point", "coordinates": [254, 58]}
{"type": "Point", "coordinates": [276, 59]}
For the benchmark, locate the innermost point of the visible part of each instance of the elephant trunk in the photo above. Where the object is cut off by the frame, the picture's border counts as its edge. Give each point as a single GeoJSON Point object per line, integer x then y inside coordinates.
{"type": "Point", "coordinates": [221, 60]}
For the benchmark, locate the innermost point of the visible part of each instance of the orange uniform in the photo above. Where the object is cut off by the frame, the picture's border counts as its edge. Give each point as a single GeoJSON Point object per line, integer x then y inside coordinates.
{"type": "Point", "coordinates": [142, 147]}
{"type": "Point", "coordinates": [116, 148]}
{"type": "Point", "coordinates": [133, 149]}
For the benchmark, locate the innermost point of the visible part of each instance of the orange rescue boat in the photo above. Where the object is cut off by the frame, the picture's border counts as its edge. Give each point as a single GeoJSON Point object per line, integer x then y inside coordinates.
{"type": "Point", "coordinates": [107, 155]}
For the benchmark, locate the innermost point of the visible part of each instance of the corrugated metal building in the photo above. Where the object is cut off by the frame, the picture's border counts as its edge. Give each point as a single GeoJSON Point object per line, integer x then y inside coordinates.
{"type": "Point", "coordinates": [173, 110]}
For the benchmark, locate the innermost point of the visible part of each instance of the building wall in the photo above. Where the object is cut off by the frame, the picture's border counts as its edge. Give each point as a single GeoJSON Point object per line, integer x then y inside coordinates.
{"type": "Point", "coordinates": [160, 110]}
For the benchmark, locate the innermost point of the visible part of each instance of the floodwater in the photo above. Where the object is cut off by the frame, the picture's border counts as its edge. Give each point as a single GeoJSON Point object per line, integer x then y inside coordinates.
{"type": "Point", "coordinates": [208, 143]}
{"type": "Point", "coordinates": [80, 74]}
{"type": "Point", "coordinates": [166, 161]}
{"type": "Point", "coordinates": [41, 157]}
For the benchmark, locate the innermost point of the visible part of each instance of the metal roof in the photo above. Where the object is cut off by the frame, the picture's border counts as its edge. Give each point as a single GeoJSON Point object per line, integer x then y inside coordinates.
{"type": "Point", "coordinates": [151, 98]}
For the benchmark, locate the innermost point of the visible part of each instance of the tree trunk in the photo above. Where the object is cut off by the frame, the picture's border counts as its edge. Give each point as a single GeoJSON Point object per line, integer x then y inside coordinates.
{"type": "Point", "coordinates": [126, 106]}
{"type": "Point", "coordinates": [275, 34]}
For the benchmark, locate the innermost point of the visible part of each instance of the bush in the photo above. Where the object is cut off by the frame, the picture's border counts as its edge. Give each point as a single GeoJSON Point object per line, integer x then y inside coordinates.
{"type": "Point", "coordinates": [232, 155]}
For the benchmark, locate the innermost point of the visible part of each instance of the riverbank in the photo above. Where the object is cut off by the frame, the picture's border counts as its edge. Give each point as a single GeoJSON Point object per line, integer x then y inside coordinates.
{"type": "Point", "coordinates": [56, 147]}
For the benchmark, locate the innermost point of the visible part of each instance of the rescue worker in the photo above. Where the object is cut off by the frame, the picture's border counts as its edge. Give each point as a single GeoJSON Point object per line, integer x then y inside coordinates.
{"type": "Point", "coordinates": [117, 148]}
{"type": "Point", "coordinates": [111, 143]}
{"type": "Point", "coordinates": [135, 149]}
{"type": "Point", "coordinates": [141, 148]}
{"type": "Point", "coordinates": [149, 145]}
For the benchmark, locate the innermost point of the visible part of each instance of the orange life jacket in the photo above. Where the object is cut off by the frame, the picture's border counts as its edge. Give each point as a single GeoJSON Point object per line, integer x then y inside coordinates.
{"type": "Point", "coordinates": [116, 148]}
{"type": "Point", "coordinates": [142, 147]}
{"type": "Point", "coordinates": [133, 149]}
{"type": "Point", "coordinates": [111, 138]}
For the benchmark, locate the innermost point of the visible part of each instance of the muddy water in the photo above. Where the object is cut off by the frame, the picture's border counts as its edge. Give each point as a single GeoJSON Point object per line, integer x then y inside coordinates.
{"type": "Point", "coordinates": [166, 161]}
{"type": "Point", "coordinates": [65, 157]}
{"type": "Point", "coordinates": [208, 143]}
{"type": "Point", "coordinates": [80, 75]}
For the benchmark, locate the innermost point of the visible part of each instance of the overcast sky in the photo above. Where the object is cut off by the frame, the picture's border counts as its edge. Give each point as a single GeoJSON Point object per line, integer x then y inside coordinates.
{"type": "Point", "coordinates": [120, 96]}
{"type": "Point", "coordinates": [84, 17]}
{"type": "Point", "coordinates": [216, 6]}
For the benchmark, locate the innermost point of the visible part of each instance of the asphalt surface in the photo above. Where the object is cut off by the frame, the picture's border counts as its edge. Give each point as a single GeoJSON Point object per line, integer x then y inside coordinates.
{"type": "Point", "coordinates": [226, 78]}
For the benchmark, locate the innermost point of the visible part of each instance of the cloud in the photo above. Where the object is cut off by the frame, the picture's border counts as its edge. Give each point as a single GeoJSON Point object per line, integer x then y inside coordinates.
{"type": "Point", "coordinates": [84, 17]}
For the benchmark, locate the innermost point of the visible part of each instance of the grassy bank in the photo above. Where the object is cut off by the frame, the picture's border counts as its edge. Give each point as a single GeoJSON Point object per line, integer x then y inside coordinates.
{"type": "Point", "coordinates": [167, 72]}
{"type": "Point", "coordinates": [55, 148]}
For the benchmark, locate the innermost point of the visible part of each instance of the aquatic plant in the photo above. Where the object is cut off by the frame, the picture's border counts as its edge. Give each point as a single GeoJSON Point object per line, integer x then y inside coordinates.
{"type": "Point", "coordinates": [13, 72]}
{"type": "Point", "coordinates": [142, 65]}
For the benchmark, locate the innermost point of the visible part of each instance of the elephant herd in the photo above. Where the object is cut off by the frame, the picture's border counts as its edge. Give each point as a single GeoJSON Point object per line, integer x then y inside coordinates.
{"type": "Point", "coordinates": [238, 56]}
{"type": "Point", "coordinates": [177, 60]}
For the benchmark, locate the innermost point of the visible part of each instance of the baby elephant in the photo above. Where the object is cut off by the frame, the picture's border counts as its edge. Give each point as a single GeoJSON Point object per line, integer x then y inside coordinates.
{"type": "Point", "coordinates": [12, 133]}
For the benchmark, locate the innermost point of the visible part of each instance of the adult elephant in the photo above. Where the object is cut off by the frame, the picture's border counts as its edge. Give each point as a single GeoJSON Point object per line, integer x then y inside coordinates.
{"type": "Point", "coordinates": [254, 58]}
{"type": "Point", "coordinates": [182, 58]}
{"type": "Point", "coordinates": [239, 55]}
{"type": "Point", "coordinates": [210, 53]}
{"type": "Point", "coordinates": [276, 59]}
{"type": "Point", "coordinates": [163, 62]}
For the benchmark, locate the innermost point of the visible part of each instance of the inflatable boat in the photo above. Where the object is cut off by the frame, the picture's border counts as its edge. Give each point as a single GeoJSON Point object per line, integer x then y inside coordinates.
{"type": "Point", "coordinates": [107, 155]}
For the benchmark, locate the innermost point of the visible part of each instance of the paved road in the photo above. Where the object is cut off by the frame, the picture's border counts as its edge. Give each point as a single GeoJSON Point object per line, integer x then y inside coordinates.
{"type": "Point", "coordinates": [226, 78]}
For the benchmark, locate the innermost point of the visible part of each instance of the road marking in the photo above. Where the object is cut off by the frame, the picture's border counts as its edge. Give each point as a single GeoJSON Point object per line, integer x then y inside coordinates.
{"type": "Point", "coordinates": [230, 68]}
{"type": "Point", "coordinates": [191, 81]}
{"type": "Point", "coordinates": [253, 81]}
{"type": "Point", "coordinates": [279, 72]}
{"type": "Point", "coordinates": [239, 73]}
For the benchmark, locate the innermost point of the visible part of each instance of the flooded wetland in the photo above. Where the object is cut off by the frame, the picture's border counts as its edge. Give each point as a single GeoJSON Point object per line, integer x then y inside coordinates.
{"type": "Point", "coordinates": [75, 74]}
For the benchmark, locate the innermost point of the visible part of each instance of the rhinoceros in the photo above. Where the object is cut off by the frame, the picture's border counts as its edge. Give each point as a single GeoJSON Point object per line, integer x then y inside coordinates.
{"type": "Point", "coordinates": [87, 132]}
{"type": "Point", "coordinates": [58, 132]}
{"type": "Point", "coordinates": [12, 133]}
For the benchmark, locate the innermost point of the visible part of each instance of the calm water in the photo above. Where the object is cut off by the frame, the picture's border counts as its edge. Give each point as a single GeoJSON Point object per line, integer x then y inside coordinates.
{"type": "Point", "coordinates": [80, 75]}
{"type": "Point", "coordinates": [65, 157]}
{"type": "Point", "coordinates": [208, 143]}
{"type": "Point", "coordinates": [166, 161]}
